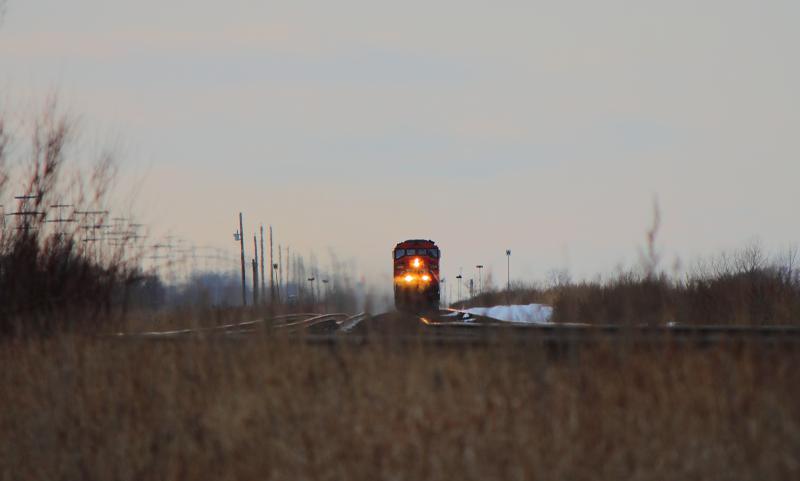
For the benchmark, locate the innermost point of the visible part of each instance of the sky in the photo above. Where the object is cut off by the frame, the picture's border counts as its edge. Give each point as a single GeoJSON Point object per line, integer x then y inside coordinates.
{"type": "Point", "coordinates": [544, 127]}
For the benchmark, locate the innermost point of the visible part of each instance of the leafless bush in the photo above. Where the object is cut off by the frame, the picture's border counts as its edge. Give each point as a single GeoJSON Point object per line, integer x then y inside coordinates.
{"type": "Point", "coordinates": [519, 293]}
{"type": "Point", "coordinates": [744, 287]}
{"type": "Point", "coordinates": [56, 253]}
{"type": "Point", "coordinates": [649, 257]}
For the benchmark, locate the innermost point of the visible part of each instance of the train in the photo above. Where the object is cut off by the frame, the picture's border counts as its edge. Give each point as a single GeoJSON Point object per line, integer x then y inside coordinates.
{"type": "Point", "coordinates": [416, 275]}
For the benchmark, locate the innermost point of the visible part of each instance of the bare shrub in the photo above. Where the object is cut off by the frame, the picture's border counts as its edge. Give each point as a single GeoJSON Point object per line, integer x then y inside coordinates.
{"type": "Point", "coordinates": [649, 257]}
{"type": "Point", "coordinates": [744, 287]}
{"type": "Point", "coordinates": [57, 268]}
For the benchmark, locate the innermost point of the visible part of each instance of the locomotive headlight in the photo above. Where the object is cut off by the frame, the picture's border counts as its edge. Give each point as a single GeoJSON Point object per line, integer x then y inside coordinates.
{"type": "Point", "coordinates": [416, 262]}
{"type": "Point", "coordinates": [426, 278]}
{"type": "Point", "coordinates": [409, 278]}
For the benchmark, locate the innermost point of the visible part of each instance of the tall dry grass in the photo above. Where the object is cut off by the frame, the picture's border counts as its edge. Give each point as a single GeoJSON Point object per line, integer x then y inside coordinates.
{"type": "Point", "coordinates": [90, 408]}
{"type": "Point", "coordinates": [744, 287]}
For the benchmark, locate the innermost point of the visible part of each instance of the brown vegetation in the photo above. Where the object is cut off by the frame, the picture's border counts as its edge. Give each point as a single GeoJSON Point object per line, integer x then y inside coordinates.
{"type": "Point", "coordinates": [81, 408]}
{"type": "Point", "coordinates": [742, 288]}
{"type": "Point", "coordinates": [60, 266]}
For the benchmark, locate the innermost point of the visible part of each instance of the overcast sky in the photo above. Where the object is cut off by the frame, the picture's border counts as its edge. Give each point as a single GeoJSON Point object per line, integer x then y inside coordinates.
{"type": "Point", "coordinates": [544, 127]}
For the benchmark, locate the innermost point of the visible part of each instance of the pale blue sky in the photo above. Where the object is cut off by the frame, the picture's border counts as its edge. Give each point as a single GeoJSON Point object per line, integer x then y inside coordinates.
{"type": "Point", "coordinates": [546, 127]}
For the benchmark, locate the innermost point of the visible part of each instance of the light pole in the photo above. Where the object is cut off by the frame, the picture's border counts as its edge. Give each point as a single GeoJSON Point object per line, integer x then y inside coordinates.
{"type": "Point", "coordinates": [443, 293]}
{"type": "Point", "coordinates": [480, 278]}
{"type": "Point", "coordinates": [273, 275]}
{"type": "Point", "coordinates": [459, 277]}
{"type": "Point", "coordinates": [311, 282]}
{"type": "Point", "coordinates": [325, 281]}
{"type": "Point", "coordinates": [508, 269]}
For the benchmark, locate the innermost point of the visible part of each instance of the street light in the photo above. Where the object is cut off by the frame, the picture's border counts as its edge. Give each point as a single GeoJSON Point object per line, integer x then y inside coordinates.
{"type": "Point", "coordinates": [311, 281]}
{"type": "Point", "coordinates": [508, 269]}
{"type": "Point", "coordinates": [459, 277]}
{"type": "Point", "coordinates": [480, 279]}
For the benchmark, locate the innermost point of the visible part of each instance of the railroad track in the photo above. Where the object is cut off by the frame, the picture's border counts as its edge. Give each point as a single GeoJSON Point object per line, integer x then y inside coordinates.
{"type": "Point", "coordinates": [458, 327]}
{"type": "Point", "coordinates": [313, 323]}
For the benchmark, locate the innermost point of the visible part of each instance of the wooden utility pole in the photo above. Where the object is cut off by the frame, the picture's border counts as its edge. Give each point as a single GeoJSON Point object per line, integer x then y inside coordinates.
{"type": "Point", "coordinates": [263, 288]}
{"type": "Point", "coordinates": [288, 270]}
{"type": "Point", "coordinates": [255, 271]}
{"type": "Point", "coordinates": [271, 268]}
{"type": "Point", "coordinates": [280, 270]}
{"type": "Point", "coordinates": [241, 242]}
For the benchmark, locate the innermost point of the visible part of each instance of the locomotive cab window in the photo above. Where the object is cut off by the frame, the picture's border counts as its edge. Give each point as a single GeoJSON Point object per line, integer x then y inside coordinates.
{"type": "Point", "coordinates": [410, 252]}
{"type": "Point", "coordinates": [399, 253]}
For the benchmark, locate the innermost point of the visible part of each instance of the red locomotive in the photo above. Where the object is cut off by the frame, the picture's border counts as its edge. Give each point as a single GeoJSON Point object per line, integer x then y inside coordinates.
{"type": "Point", "coordinates": [416, 275]}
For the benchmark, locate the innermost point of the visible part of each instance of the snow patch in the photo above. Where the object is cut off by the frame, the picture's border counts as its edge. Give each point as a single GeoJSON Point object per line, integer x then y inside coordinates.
{"type": "Point", "coordinates": [531, 313]}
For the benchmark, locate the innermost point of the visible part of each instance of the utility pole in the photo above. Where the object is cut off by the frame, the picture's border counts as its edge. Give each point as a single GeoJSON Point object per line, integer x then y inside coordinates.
{"type": "Point", "coordinates": [255, 272]}
{"type": "Point", "coordinates": [61, 220]}
{"type": "Point", "coordinates": [459, 277]}
{"type": "Point", "coordinates": [280, 271]}
{"type": "Point", "coordinates": [449, 292]}
{"type": "Point", "coordinates": [508, 270]}
{"type": "Point", "coordinates": [239, 236]}
{"type": "Point", "coordinates": [23, 213]}
{"type": "Point", "coordinates": [480, 278]}
{"type": "Point", "coordinates": [289, 271]}
{"type": "Point", "coordinates": [273, 268]}
{"type": "Point", "coordinates": [263, 279]}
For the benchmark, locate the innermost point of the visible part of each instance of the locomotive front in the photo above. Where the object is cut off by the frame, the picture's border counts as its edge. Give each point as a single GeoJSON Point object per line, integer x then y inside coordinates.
{"type": "Point", "coordinates": [416, 275]}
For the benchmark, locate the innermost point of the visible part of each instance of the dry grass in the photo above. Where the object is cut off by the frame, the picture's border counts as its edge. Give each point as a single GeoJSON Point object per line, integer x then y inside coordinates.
{"type": "Point", "coordinates": [84, 408]}
{"type": "Point", "coordinates": [745, 287]}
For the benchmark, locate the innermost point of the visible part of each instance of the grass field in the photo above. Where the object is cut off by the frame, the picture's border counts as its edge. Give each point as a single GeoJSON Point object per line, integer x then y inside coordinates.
{"type": "Point", "coordinates": [93, 408]}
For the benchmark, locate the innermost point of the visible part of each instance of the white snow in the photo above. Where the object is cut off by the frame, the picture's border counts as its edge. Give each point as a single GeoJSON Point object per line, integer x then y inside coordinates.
{"type": "Point", "coordinates": [531, 313]}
